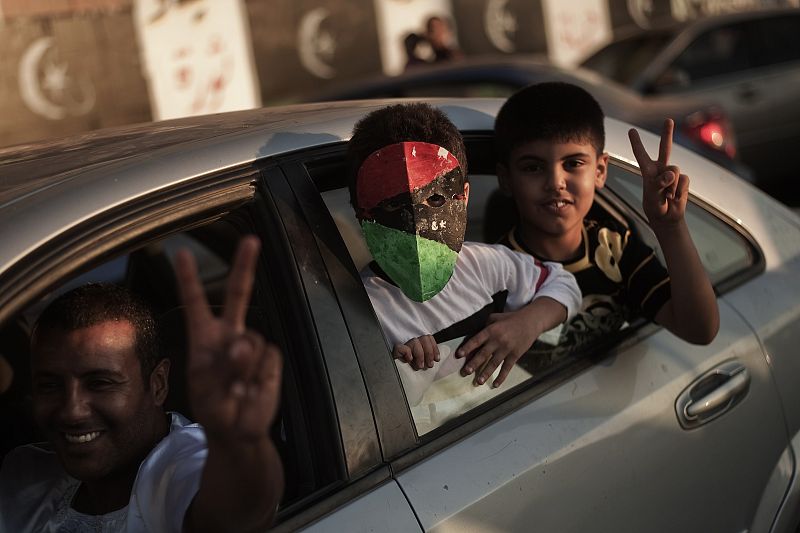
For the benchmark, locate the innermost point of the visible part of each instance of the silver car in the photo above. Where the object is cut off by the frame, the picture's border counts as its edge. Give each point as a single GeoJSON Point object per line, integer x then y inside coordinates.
{"type": "Point", "coordinates": [646, 434]}
{"type": "Point", "coordinates": [748, 63]}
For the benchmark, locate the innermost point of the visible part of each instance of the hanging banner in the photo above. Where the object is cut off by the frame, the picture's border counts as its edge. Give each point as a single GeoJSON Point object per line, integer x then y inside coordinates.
{"type": "Point", "coordinates": [303, 45]}
{"type": "Point", "coordinates": [197, 56]}
{"type": "Point", "coordinates": [576, 28]}
{"type": "Point", "coordinates": [490, 27]}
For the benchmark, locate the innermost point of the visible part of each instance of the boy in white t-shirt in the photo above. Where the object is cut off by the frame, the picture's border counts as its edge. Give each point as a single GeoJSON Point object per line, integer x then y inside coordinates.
{"type": "Point", "coordinates": [408, 185]}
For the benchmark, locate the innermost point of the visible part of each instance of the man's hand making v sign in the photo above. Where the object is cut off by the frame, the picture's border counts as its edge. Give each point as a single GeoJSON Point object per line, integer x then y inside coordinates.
{"type": "Point", "coordinates": [234, 389]}
{"type": "Point", "coordinates": [691, 313]}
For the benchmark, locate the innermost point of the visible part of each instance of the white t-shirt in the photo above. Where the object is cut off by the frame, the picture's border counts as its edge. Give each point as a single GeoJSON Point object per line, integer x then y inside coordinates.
{"type": "Point", "coordinates": [36, 494]}
{"type": "Point", "coordinates": [482, 271]}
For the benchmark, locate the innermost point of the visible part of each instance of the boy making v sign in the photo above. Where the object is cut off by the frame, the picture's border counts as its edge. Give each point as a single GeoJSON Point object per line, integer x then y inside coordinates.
{"type": "Point", "coordinates": [550, 141]}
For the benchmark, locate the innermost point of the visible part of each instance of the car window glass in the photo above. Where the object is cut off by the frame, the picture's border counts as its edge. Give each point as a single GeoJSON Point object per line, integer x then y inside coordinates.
{"type": "Point", "coordinates": [717, 52]}
{"type": "Point", "coordinates": [776, 40]}
{"type": "Point", "coordinates": [723, 251]}
{"type": "Point", "coordinates": [148, 271]}
{"type": "Point", "coordinates": [624, 60]}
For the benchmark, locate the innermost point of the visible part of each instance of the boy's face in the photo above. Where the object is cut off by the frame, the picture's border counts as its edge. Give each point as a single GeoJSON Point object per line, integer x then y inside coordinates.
{"type": "Point", "coordinates": [553, 184]}
{"type": "Point", "coordinates": [411, 201]}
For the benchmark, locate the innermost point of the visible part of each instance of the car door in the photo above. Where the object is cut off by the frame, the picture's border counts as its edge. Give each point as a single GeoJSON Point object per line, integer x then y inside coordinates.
{"type": "Point", "coordinates": [598, 443]}
{"type": "Point", "coordinates": [611, 448]}
{"type": "Point", "coordinates": [364, 496]}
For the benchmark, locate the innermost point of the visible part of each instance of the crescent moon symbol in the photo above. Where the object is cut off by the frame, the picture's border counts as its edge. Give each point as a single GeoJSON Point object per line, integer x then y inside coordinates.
{"type": "Point", "coordinates": [638, 10]}
{"type": "Point", "coordinates": [494, 21]}
{"type": "Point", "coordinates": [306, 35]}
{"type": "Point", "coordinates": [29, 81]}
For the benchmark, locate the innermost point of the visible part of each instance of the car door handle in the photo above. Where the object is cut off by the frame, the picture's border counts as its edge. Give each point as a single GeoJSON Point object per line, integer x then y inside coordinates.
{"type": "Point", "coordinates": [712, 394]}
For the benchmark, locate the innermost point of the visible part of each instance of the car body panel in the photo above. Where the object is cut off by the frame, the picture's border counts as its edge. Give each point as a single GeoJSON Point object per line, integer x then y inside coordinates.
{"type": "Point", "coordinates": [592, 439]}
{"type": "Point", "coordinates": [383, 509]}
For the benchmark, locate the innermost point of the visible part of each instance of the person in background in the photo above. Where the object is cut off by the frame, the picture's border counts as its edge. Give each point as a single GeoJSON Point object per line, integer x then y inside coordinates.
{"type": "Point", "coordinates": [440, 36]}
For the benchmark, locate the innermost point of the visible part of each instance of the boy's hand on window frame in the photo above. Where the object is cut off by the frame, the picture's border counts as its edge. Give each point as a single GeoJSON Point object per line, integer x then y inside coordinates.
{"type": "Point", "coordinates": [503, 341]}
{"type": "Point", "coordinates": [420, 352]}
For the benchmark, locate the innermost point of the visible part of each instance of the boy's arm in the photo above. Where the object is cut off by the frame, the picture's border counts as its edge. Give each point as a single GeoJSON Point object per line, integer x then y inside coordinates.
{"type": "Point", "coordinates": [420, 352]}
{"type": "Point", "coordinates": [691, 313]}
{"type": "Point", "coordinates": [511, 334]}
{"type": "Point", "coordinates": [234, 390]}
{"type": "Point", "coordinates": [507, 337]}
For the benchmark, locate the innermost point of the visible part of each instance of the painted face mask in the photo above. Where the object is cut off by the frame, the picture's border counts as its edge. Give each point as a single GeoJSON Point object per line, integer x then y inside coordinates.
{"type": "Point", "coordinates": [413, 212]}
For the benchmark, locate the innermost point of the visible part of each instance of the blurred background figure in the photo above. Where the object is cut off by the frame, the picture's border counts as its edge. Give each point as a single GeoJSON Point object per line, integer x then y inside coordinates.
{"type": "Point", "coordinates": [412, 43]}
{"type": "Point", "coordinates": [440, 36]}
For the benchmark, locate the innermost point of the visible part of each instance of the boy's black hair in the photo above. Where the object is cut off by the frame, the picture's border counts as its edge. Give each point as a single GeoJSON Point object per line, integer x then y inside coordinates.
{"type": "Point", "coordinates": [91, 304]}
{"type": "Point", "coordinates": [401, 123]}
{"type": "Point", "coordinates": [555, 111]}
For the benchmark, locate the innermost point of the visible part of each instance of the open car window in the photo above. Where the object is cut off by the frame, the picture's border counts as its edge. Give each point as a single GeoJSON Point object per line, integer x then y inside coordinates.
{"type": "Point", "coordinates": [439, 396]}
{"type": "Point", "coordinates": [148, 271]}
{"type": "Point", "coordinates": [726, 253]}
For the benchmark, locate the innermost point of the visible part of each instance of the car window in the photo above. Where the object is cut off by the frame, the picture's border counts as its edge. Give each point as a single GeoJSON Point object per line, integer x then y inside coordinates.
{"type": "Point", "coordinates": [433, 402]}
{"type": "Point", "coordinates": [148, 270]}
{"type": "Point", "coordinates": [776, 40]}
{"type": "Point", "coordinates": [716, 52]}
{"type": "Point", "coordinates": [723, 250]}
{"type": "Point", "coordinates": [438, 400]}
{"type": "Point", "coordinates": [624, 60]}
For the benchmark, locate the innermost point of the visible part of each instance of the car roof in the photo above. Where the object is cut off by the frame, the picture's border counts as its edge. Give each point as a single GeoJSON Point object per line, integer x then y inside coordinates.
{"type": "Point", "coordinates": [674, 27]}
{"type": "Point", "coordinates": [49, 186]}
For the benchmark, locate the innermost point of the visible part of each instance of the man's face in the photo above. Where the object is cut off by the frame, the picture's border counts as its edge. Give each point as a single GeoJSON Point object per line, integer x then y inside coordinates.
{"type": "Point", "coordinates": [553, 185]}
{"type": "Point", "coordinates": [412, 202]}
{"type": "Point", "coordinates": [90, 400]}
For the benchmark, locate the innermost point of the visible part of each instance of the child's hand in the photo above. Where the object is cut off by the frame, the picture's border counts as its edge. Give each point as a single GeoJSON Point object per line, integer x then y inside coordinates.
{"type": "Point", "coordinates": [665, 189]}
{"type": "Point", "coordinates": [420, 352]}
{"type": "Point", "coordinates": [504, 340]}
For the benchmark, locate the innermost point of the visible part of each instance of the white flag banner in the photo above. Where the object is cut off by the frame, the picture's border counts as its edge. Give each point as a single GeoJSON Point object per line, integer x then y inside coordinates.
{"type": "Point", "coordinates": [197, 56]}
{"type": "Point", "coordinates": [575, 28]}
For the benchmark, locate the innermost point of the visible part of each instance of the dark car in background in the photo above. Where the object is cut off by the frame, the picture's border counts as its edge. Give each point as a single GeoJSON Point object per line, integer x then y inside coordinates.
{"type": "Point", "coordinates": [701, 127]}
{"type": "Point", "coordinates": [748, 63]}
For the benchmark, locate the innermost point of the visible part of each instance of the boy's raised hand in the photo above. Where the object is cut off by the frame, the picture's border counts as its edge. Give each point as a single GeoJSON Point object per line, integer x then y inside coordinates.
{"type": "Point", "coordinates": [665, 189]}
{"type": "Point", "coordinates": [234, 375]}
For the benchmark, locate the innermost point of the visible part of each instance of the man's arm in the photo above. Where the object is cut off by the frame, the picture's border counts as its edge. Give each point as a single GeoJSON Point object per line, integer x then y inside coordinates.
{"type": "Point", "coordinates": [234, 390]}
{"type": "Point", "coordinates": [691, 313]}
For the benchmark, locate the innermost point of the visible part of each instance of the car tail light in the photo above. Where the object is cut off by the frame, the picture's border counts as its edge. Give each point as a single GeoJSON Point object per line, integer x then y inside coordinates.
{"type": "Point", "coordinates": [713, 129]}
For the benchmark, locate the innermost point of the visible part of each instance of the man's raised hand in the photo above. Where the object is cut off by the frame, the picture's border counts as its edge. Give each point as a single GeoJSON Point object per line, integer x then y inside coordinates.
{"type": "Point", "coordinates": [234, 375]}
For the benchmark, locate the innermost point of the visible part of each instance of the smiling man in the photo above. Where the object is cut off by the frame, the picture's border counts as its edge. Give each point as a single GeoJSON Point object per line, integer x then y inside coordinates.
{"type": "Point", "coordinates": [114, 460]}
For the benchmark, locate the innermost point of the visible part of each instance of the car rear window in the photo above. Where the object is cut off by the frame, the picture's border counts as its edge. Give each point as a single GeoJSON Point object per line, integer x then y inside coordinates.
{"type": "Point", "coordinates": [624, 60]}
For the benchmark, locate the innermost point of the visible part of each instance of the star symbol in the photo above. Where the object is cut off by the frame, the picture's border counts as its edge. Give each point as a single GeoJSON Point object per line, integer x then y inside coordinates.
{"type": "Point", "coordinates": [55, 78]}
{"type": "Point", "coordinates": [326, 44]}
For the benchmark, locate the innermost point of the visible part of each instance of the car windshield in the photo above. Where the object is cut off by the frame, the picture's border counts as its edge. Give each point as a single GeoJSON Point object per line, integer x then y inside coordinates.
{"type": "Point", "coordinates": [624, 60]}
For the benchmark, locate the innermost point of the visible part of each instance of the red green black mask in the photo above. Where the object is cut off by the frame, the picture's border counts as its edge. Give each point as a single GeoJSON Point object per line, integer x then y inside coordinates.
{"type": "Point", "coordinates": [413, 211]}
